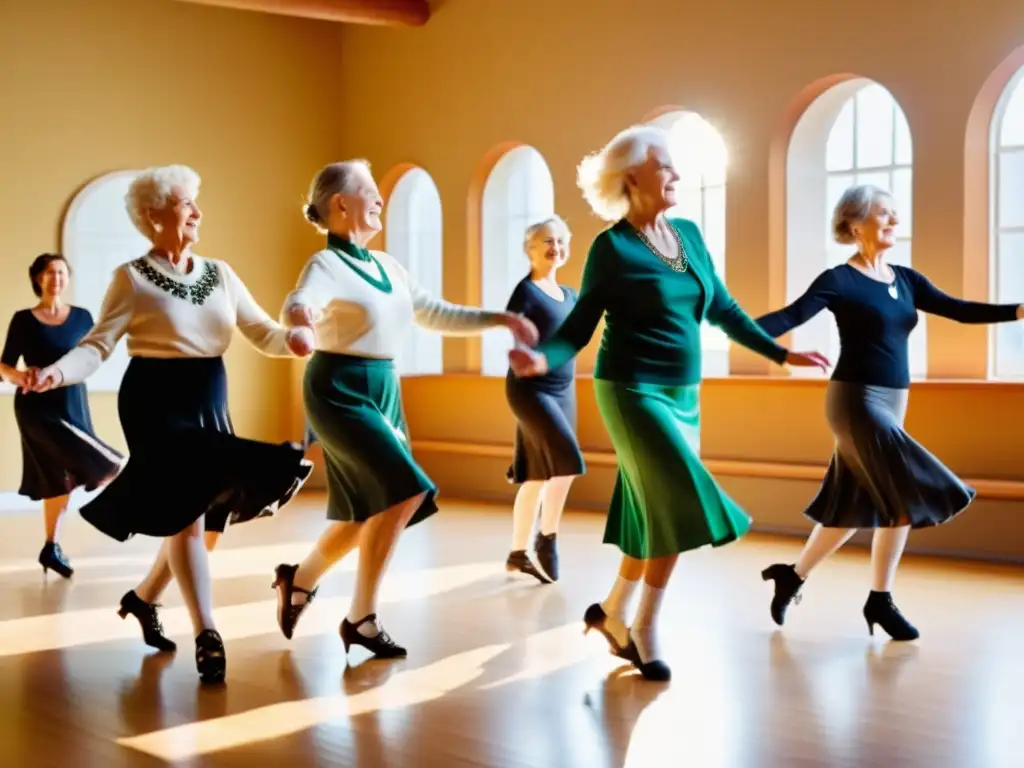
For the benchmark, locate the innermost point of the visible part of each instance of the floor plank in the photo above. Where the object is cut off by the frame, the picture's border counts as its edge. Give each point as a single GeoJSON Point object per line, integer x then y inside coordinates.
{"type": "Point", "coordinates": [499, 673]}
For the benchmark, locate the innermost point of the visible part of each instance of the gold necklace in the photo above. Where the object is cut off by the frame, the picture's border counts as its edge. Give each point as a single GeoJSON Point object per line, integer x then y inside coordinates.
{"type": "Point", "coordinates": [680, 263]}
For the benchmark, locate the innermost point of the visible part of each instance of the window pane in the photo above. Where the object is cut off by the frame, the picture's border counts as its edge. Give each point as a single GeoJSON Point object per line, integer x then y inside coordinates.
{"type": "Point", "coordinates": [1009, 288]}
{"type": "Point", "coordinates": [1011, 189]}
{"type": "Point", "coordinates": [834, 189]}
{"type": "Point", "coordinates": [518, 192]}
{"type": "Point", "coordinates": [688, 204]}
{"type": "Point", "coordinates": [1011, 132]}
{"type": "Point", "coordinates": [839, 149]}
{"type": "Point", "coordinates": [904, 143]}
{"type": "Point", "coordinates": [714, 225]}
{"type": "Point", "coordinates": [1010, 268]}
{"type": "Point", "coordinates": [902, 192]}
{"type": "Point", "coordinates": [874, 124]}
{"type": "Point", "coordinates": [881, 179]}
{"type": "Point", "coordinates": [900, 253]}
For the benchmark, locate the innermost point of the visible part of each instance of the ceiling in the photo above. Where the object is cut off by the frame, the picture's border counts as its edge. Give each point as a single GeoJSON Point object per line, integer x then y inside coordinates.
{"type": "Point", "coordinates": [406, 13]}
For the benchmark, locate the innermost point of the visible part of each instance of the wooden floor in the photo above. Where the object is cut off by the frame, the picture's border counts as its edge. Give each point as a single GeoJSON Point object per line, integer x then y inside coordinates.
{"type": "Point", "coordinates": [499, 673]}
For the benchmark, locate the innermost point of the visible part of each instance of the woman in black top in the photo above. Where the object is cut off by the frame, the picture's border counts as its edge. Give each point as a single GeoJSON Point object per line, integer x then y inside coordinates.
{"type": "Point", "coordinates": [879, 477]}
{"type": "Point", "coordinates": [547, 455]}
{"type": "Point", "coordinates": [59, 450]}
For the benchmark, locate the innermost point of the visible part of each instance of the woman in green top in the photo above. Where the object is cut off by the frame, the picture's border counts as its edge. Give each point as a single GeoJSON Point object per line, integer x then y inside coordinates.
{"type": "Point", "coordinates": [652, 278]}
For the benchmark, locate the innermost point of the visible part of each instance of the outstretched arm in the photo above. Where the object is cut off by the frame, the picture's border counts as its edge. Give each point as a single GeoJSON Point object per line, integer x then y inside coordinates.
{"type": "Point", "coordinates": [312, 293]}
{"type": "Point", "coordinates": [816, 298]}
{"type": "Point", "coordinates": [930, 299]}
{"type": "Point", "coordinates": [91, 352]}
{"type": "Point", "coordinates": [579, 325]}
{"type": "Point", "coordinates": [259, 329]}
{"type": "Point", "coordinates": [725, 313]}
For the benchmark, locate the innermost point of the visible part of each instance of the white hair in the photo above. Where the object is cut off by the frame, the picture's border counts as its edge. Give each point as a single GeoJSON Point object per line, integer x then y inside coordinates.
{"type": "Point", "coordinates": [602, 175]}
{"type": "Point", "coordinates": [554, 220]}
{"type": "Point", "coordinates": [152, 190]}
{"type": "Point", "coordinates": [853, 207]}
{"type": "Point", "coordinates": [328, 182]}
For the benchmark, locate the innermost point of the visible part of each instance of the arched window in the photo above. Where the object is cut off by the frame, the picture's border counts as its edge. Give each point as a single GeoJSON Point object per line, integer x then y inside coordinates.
{"type": "Point", "coordinates": [519, 192]}
{"type": "Point", "coordinates": [701, 158]}
{"type": "Point", "coordinates": [412, 231]}
{"type": "Point", "coordinates": [854, 133]}
{"type": "Point", "coordinates": [98, 236]}
{"type": "Point", "coordinates": [1007, 240]}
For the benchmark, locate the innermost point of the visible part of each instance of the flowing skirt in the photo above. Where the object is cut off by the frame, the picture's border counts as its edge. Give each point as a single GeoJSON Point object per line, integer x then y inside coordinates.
{"type": "Point", "coordinates": [354, 405]}
{"type": "Point", "coordinates": [879, 476]}
{"type": "Point", "coordinates": [546, 444]}
{"type": "Point", "coordinates": [665, 501]}
{"type": "Point", "coordinates": [59, 449]}
{"type": "Point", "coordinates": [185, 462]}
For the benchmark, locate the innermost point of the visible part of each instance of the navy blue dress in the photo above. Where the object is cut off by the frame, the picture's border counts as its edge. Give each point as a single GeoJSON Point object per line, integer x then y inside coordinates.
{"type": "Point", "coordinates": [59, 449]}
{"type": "Point", "coordinates": [544, 406]}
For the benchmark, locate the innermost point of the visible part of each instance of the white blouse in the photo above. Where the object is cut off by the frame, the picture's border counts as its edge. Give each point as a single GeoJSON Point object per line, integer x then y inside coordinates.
{"type": "Point", "coordinates": [355, 317]}
{"type": "Point", "coordinates": [165, 314]}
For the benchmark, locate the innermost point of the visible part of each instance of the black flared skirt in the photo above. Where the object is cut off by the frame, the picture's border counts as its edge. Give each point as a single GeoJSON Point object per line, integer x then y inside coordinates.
{"type": "Point", "coordinates": [185, 462]}
{"type": "Point", "coordinates": [879, 476]}
{"type": "Point", "coordinates": [546, 444]}
{"type": "Point", "coordinates": [59, 449]}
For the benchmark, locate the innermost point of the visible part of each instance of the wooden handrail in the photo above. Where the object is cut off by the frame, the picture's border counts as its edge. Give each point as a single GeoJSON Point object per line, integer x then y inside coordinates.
{"type": "Point", "coordinates": [1005, 490]}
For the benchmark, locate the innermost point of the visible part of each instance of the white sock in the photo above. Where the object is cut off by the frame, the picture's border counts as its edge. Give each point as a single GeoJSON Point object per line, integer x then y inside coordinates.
{"type": "Point", "coordinates": [556, 491]}
{"type": "Point", "coordinates": [616, 606]}
{"type": "Point", "coordinates": [643, 630]}
{"type": "Point", "coordinates": [886, 550]}
{"type": "Point", "coordinates": [819, 547]}
{"type": "Point", "coordinates": [308, 574]}
{"type": "Point", "coordinates": [524, 513]}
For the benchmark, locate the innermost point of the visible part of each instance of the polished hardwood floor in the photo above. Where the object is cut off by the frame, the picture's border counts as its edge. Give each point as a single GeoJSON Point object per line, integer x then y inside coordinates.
{"type": "Point", "coordinates": [499, 673]}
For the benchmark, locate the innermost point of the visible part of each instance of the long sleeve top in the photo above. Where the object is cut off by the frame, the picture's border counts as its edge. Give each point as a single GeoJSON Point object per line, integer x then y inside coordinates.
{"type": "Point", "coordinates": [653, 313]}
{"type": "Point", "coordinates": [875, 319]}
{"type": "Point", "coordinates": [167, 315]}
{"type": "Point", "coordinates": [366, 303]}
{"type": "Point", "coordinates": [548, 314]}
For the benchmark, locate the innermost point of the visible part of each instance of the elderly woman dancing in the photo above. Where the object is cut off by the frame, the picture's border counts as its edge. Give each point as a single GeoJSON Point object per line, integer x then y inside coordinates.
{"type": "Point", "coordinates": [187, 472]}
{"type": "Point", "coordinates": [363, 304]}
{"type": "Point", "coordinates": [59, 449]}
{"type": "Point", "coordinates": [654, 279]}
{"type": "Point", "coordinates": [547, 455]}
{"type": "Point", "coordinates": [879, 476]}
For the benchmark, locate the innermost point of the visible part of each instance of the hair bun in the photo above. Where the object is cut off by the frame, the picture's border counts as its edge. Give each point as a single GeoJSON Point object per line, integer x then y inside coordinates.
{"type": "Point", "coordinates": [312, 213]}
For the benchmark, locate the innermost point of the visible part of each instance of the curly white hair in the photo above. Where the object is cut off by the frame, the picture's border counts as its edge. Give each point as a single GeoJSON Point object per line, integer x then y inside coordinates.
{"type": "Point", "coordinates": [153, 189]}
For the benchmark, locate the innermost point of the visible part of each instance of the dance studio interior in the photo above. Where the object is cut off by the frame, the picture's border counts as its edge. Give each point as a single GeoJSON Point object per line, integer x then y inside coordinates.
{"type": "Point", "coordinates": [481, 123]}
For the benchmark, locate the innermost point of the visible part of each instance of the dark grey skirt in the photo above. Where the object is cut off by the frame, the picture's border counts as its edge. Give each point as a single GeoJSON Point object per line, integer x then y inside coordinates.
{"type": "Point", "coordinates": [546, 444]}
{"type": "Point", "coordinates": [879, 476]}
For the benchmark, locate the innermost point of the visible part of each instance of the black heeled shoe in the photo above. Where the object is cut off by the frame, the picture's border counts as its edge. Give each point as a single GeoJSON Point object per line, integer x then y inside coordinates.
{"type": "Point", "coordinates": [787, 589]}
{"type": "Point", "coordinates": [596, 618]}
{"type": "Point", "coordinates": [546, 548]}
{"type": "Point", "coordinates": [211, 661]}
{"type": "Point", "coordinates": [152, 630]}
{"type": "Point", "coordinates": [655, 669]}
{"type": "Point", "coordinates": [880, 609]}
{"type": "Point", "coordinates": [520, 562]}
{"type": "Point", "coordinates": [380, 645]}
{"type": "Point", "coordinates": [287, 612]}
{"type": "Point", "coordinates": [52, 558]}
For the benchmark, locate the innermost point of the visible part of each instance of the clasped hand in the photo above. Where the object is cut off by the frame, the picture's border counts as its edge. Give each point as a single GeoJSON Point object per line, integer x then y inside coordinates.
{"type": "Point", "coordinates": [42, 379]}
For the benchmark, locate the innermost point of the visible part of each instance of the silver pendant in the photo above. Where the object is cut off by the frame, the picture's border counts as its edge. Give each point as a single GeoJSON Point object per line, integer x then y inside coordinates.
{"type": "Point", "coordinates": [892, 291]}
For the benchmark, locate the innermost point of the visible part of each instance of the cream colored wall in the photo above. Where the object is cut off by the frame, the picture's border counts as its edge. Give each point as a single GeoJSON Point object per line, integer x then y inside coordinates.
{"type": "Point", "coordinates": [565, 76]}
{"type": "Point", "coordinates": [245, 98]}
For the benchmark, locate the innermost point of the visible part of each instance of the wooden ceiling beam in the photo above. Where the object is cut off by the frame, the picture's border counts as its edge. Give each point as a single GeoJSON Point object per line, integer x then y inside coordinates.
{"type": "Point", "coordinates": [403, 13]}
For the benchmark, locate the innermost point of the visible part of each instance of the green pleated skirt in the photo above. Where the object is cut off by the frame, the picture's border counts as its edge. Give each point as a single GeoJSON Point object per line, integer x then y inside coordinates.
{"type": "Point", "coordinates": [665, 501]}
{"type": "Point", "coordinates": [354, 405]}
